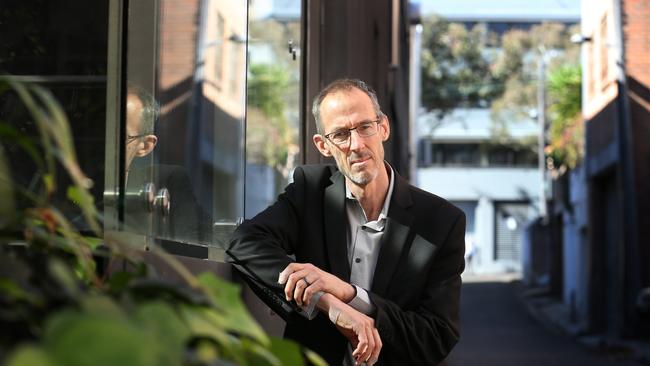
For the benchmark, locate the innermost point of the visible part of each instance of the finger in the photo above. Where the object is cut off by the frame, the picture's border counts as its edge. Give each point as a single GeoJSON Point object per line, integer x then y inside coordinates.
{"type": "Point", "coordinates": [366, 350]}
{"type": "Point", "coordinates": [362, 346]}
{"type": "Point", "coordinates": [374, 356]}
{"type": "Point", "coordinates": [299, 289]}
{"type": "Point", "coordinates": [288, 270]}
{"type": "Point", "coordinates": [371, 345]}
{"type": "Point", "coordinates": [282, 278]}
{"type": "Point", "coordinates": [293, 279]}
{"type": "Point", "coordinates": [311, 290]}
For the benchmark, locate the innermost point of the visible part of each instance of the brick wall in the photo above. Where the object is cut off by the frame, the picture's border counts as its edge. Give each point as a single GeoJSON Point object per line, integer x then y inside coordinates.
{"type": "Point", "coordinates": [178, 32]}
{"type": "Point", "coordinates": [636, 27]}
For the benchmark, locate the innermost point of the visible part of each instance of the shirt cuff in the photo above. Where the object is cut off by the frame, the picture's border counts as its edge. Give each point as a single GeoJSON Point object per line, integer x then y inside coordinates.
{"type": "Point", "coordinates": [361, 302]}
{"type": "Point", "coordinates": [310, 311]}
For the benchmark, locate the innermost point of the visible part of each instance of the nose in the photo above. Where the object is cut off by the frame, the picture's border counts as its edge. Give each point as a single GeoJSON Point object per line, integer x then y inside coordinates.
{"type": "Point", "coordinates": [356, 141]}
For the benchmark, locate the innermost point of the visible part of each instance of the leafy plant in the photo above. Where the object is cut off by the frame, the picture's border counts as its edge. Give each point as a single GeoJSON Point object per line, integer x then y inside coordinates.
{"type": "Point", "coordinates": [566, 148]}
{"type": "Point", "coordinates": [67, 299]}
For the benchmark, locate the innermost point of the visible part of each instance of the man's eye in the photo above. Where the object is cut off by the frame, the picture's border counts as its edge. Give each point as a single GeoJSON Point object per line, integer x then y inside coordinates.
{"type": "Point", "coordinates": [366, 127]}
{"type": "Point", "coordinates": [340, 135]}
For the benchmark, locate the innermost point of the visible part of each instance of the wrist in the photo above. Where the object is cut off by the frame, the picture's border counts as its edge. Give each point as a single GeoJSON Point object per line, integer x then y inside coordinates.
{"type": "Point", "coordinates": [349, 294]}
{"type": "Point", "coordinates": [325, 302]}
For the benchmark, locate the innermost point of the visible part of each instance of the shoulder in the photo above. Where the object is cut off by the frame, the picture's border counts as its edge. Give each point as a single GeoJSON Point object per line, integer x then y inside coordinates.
{"type": "Point", "coordinates": [433, 216]}
{"type": "Point", "coordinates": [428, 199]}
{"type": "Point", "coordinates": [421, 202]}
{"type": "Point", "coordinates": [314, 174]}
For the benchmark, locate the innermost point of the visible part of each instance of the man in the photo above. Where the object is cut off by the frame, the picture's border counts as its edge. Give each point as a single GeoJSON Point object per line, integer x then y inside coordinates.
{"type": "Point", "coordinates": [380, 259]}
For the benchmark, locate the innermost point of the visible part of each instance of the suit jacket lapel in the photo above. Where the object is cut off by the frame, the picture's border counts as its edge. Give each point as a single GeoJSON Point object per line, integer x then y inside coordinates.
{"type": "Point", "coordinates": [335, 227]}
{"type": "Point", "coordinates": [396, 233]}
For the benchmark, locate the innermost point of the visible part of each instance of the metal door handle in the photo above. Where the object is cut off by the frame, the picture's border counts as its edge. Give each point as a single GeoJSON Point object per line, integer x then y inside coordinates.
{"type": "Point", "coordinates": [141, 199]}
{"type": "Point", "coordinates": [163, 202]}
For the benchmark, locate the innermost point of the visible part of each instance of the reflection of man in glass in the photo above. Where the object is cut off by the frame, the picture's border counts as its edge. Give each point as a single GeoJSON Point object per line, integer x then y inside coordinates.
{"type": "Point", "coordinates": [141, 113]}
{"type": "Point", "coordinates": [186, 220]}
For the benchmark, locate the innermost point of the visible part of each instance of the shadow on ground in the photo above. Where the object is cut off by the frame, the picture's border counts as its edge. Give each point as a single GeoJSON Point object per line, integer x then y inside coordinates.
{"type": "Point", "coordinates": [498, 330]}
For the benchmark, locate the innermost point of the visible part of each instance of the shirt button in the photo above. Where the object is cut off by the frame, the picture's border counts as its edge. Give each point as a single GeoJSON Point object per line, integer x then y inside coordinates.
{"type": "Point", "coordinates": [357, 260]}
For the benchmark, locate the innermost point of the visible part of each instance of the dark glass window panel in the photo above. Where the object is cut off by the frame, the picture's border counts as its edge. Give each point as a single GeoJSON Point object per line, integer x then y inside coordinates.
{"type": "Point", "coordinates": [62, 46]}
{"type": "Point", "coordinates": [455, 154]}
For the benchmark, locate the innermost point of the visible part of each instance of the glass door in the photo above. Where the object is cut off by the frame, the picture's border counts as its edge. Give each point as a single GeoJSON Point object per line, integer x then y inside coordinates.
{"type": "Point", "coordinates": [184, 98]}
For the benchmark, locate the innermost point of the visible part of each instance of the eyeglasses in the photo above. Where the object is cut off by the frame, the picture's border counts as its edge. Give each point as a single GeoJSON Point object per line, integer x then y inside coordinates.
{"type": "Point", "coordinates": [130, 138]}
{"type": "Point", "coordinates": [364, 129]}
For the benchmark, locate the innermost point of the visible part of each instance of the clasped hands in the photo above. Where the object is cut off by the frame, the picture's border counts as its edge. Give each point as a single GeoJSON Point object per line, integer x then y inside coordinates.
{"type": "Point", "coordinates": [303, 280]}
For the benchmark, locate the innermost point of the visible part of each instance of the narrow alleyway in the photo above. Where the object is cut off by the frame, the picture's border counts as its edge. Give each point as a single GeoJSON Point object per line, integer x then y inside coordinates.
{"type": "Point", "coordinates": [497, 330]}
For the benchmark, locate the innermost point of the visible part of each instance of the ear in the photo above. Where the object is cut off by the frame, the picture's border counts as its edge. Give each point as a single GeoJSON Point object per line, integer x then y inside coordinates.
{"type": "Point", "coordinates": [322, 145]}
{"type": "Point", "coordinates": [384, 128]}
{"type": "Point", "coordinates": [147, 145]}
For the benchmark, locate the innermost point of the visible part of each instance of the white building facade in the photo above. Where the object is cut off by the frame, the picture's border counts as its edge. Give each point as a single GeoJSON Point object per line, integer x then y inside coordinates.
{"type": "Point", "coordinates": [496, 185]}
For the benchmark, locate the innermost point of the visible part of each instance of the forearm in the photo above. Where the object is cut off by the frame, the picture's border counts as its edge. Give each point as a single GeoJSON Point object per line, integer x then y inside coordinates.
{"type": "Point", "coordinates": [330, 305]}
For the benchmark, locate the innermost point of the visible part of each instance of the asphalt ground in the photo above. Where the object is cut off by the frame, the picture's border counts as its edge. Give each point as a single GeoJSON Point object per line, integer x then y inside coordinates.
{"type": "Point", "coordinates": [496, 329]}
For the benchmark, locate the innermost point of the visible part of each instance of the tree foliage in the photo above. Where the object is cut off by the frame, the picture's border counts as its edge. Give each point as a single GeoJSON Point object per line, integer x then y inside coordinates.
{"type": "Point", "coordinates": [475, 68]}
{"type": "Point", "coordinates": [269, 135]}
{"type": "Point", "coordinates": [566, 131]}
{"type": "Point", "coordinates": [455, 70]}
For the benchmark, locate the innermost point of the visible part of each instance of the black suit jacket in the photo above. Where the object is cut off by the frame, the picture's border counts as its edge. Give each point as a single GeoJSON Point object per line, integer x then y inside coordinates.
{"type": "Point", "coordinates": [416, 284]}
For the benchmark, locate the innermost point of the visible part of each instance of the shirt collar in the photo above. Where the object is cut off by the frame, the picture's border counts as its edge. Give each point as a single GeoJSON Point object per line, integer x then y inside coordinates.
{"type": "Point", "coordinates": [384, 210]}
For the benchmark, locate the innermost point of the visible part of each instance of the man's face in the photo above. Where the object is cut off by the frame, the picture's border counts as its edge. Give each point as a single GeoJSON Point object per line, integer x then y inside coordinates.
{"type": "Point", "coordinates": [137, 144]}
{"type": "Point", "coordinates": [361, 158]}
{"type": "Point", "coordinates": [133, 115]}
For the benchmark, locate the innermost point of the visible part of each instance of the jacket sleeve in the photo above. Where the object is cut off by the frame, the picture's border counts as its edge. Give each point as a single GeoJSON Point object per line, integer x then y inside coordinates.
{"type": "Point", "coordinates": [264, 244]}
{"type": "Point", "coordinates": [425, 334]}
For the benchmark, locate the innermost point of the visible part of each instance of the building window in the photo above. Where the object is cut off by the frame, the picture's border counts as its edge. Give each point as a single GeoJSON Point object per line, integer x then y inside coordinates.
{"type": "Point", "coordinates": [447, 154]}
{"type": "Point", "coordinates": [510, 156]}
{"type": "Point", "coordinates": [455, 154]}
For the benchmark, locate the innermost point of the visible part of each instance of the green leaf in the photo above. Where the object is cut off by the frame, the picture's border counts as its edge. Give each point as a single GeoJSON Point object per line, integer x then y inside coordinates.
{"type": "Point", "coordinates": [288, 352]}
{"type": "Point", "coordinates": [102, 306]}
{"type": "Point", "coordinates": [30, 356]}
{"type": "Point", "coordinates": [120, 280]}
{"type": "Point", "coordinates": [226, 296]}
{"type": "Point", "coordinates": [48, 181]}
{"type": "Point", "coordinates": [61, 272]}
{"type": "Point", "coordinates": [93, 242]}
{"type": "Point", "coordinates": [17, 293]}
{"type": "Point", "coordinates": [314, 358]}
{"type": "Point", "coordinates": [257, 354]}
{"type": "Point", "coordinates": [102, 339]}
{"type": "Point", "coordinates": [202, 325]}
{"type": "Point", "coordinates": [164, 324]}
{"type": "Point", "coordinates": [82, 198]}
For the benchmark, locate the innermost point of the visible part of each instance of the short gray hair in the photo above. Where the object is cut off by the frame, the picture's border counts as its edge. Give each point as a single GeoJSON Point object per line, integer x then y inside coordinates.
{"type": "Point", "coordinates": [338, 86]}
{"type": "Point", "coordinates": [150, 109]}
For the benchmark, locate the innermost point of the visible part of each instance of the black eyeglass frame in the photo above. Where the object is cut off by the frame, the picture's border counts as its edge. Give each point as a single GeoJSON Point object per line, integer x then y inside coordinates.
{"type": "Point", "coordinates": [130, 138]}
{"type": "Point", "coordinates": [349, 131]}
